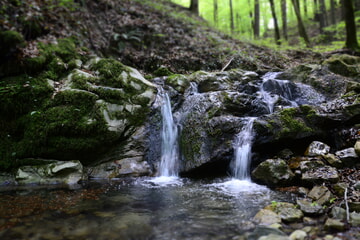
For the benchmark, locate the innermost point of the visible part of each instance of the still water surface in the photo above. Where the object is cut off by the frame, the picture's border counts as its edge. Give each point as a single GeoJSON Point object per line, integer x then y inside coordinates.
{"type": "Point", "coordinates": [144, 208]}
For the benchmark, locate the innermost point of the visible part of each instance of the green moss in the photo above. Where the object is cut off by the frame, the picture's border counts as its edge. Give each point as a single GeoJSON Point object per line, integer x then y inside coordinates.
{"type": "Point", "coordinates": [291, 123]}
{"type": "Point", "coordinates": [109, 71]}
{"type": "Point", "coordinates": [162, 71]}
{"type": "Point", "coordinates": [82, 99]}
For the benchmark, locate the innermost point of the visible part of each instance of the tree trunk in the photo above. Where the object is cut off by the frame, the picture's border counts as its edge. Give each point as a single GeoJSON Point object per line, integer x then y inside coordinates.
{"type": "Point", "coordinates": [351, 39]}
{"type": "Point", "coordinates": [277, 31]}
{"type": "Point", "coordinates": [216, 12]}
{"type": "Point", "coordinates": [322, 16]}
{"type": "Point", "coordinates": [256, 19]}
{"type": "Point", "coordinates": [194, 6]}
{"type": "Point", "coordinates": [332, 12]}
{"type": "Point", "coordinates": [231, 17]}
{"type": "Point", "coordinates": [357, 5]}
{"type": "Point", "coordinates": [305, 8]}
{"type": "Point", "coordinates": [251, 15]}
{"type": "Point", "coordinates": [284, 19]}
{"type": "Point", "coordinates": [301, 27]}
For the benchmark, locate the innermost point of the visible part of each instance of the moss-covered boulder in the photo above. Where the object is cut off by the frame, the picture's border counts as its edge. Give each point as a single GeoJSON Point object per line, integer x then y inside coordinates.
{"type": "Point", "coordinates": [343, 64]}
{"type": "Point", "coordinates": [65, 109]}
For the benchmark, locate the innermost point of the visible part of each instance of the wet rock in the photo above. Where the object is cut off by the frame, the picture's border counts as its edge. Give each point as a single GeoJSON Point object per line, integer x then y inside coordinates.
{"type": "Point", "coordinates": [273, 237]}
{"type": "Point", "coordinates": [51, 172]}
{"type": "Point", "coordinates": [357, 185]}
{"type": "Point", "coordinates": [348, 156]}
{"type": "Point", "coordinates": [6, 179]}
{"type": "Point", "coordinates": [317, 148]}
{"type": "Point", "coordinates": [287, 211]}
{"type": "Point", "coordinates": [261, 231]}
{"type": "Point", "coordinates": [320, 194]}
{"type": "Point", "coordinates": [334, 224]}
{"type": "Point", "coordinates": [344, 65]}
{"type": "Point", "coordinates": [309, 207]}
{"type": "Point", "coordinates": [298, 235]}
{"type": "Point", "coordinates": [267, 217]}
{"type": "Point", "coordinates": [273, 172]}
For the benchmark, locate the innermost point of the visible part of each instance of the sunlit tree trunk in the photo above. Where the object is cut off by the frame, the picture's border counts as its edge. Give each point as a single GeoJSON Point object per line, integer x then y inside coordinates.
{"type": "Point", "coordinates": [351, 39]}
{"type": "Point", "coordinates": [284, 18]}
{"type": "Point", "coordinates": [277, 31]}
{"type": "Point", "coordinates": [251, 15]}
{"type": "Point", "coordinates": [256, 19]}
{"type": "Point", "coordinates": [301, 27]}
{"type": "Point", "coordinates": [231, 16]}
{"type": "Point", "coordinates": [315, 9]}
{"type": "Point", "coordinates": [194, 6]}
{"type": "Point", "coordinates": [216, 12]}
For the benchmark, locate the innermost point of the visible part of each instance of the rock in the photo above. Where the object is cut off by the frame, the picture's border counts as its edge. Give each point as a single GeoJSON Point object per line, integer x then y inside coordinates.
{"type": "Point", "coordinates": [273, 172]}
{"type": "Point", "coordinates": [309, 207]}
{"type": "Point", "coordinates": [338, 213]}
{"type": "Point", "coordinates": [273, 237]}
{"type": "Point", "coordinates": [298, 235]}
{"type": "Point", "coordinates": [266, 217]}
{"type": "Point", "coordinates": [6, 179]}
{"type": "Point", "coordinates": [348, 156]}
{"type": "Point", "coordinates": [334, 224]}
{"type": "Point", "coordinates": [51, 172]}
{"type": "Point", "coordinates": [354, 207]}
{"type": "Point", "coordinates": [261, 231]}
{"type": "Point", "coordinates": [320, 194]}
{"type": "Point", "coordinates": [317, 148]}
{"type": "Point", "coordinates": [357, 147]}
{"type": "Point", "coordinates": [343, 64]}
{"type": "Point", "coordinates": [340, 188]}
{"type": "Point", "coordinates": [357, 185]}
{"type": "Point", "coordinates": [355, 219]}
{"type": "Point", "coordinates": [333, 160]}
{"type": "Point", "coordinates": [316, 172]}
{"type": "Point", "coordinates": [287, 211]}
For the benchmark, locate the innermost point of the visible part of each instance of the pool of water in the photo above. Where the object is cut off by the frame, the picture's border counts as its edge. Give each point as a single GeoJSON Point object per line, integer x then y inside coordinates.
{"type": "Point", "coordinates": [143, 208]}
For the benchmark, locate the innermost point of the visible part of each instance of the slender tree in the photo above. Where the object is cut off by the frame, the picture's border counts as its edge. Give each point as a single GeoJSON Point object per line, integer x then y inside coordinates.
{"type": "Point", "coordinates": [216, 6]}
{"type": "Point", "coordinates": [194, 6]}
{"type": "Point", "coordinates": [251, 15]}
{"type": "Point", "coordinates": [332, 12]}
{"type": "Point", "coordinates": [284, 18]}
{"type": "Point", "coordinates": [301, 27]}
{"type": "Point", "coordinates": [256, 19]}
{"type": "Point", "coordinates": [277, 31]}
{"type": "Point", "coordinates": [351, 39]}
{"type": "Point", "coordinates": [232, 26]}
{"type": "Point", "coordinates": [305, 8]}
{"type": "Point", "coordinates": [322, 15]}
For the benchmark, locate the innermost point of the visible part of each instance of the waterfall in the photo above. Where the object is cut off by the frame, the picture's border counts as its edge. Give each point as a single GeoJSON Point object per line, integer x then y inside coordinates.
{"type": "Point", "coordinates": [242, 151]}
{"type": "Point", "coordinates": [169, 145]}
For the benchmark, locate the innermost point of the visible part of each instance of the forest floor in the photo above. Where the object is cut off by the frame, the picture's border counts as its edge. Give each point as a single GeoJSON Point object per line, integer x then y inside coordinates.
{"type": "Point", "coordinates": [143, 34]}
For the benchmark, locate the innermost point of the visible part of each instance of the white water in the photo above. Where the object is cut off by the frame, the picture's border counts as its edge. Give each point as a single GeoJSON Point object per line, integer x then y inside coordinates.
{"type": "Point", "coordinates": [242, 151]}
{"type": "Point", "coordinates": [169, 145]}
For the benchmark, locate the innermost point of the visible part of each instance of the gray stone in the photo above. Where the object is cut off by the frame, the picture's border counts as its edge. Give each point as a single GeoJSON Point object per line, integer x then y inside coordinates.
{"type": "Point", "coordinates": [261, 231]}
{"type": "Point", "coordinates": [348, 156]}
{"type": "Point", "coordinates": [51, 172]}
{"type": "Point", "coordinates": [6, 179]}
{"type": "Point", "coordinates": [266, 217]}
{"type": "Point", "coordinates": [273, 237]}
{"type": "Point", "coordinates": [355, 219]}
{"type": "Point", "coordinates": [298, 235]}
{"type": "Point", "coordinates": [320, 194]}
{"type": "Point", "coordinates": [289, 215]}
{"type": "Point", "coordinates": [338, 213]}
{"type": "Point", "coordinates": [317, 148]}
{"type": "Point", "coordinates": [273, 172]}
{"type": "Point", "coordinates": [340, 188]}
{"type": "Point", "coordinates": [357, 185]}
{"type": "Point", "coordinates": [309, 207]}
{"type": "Point", "coordinates": [334, 224]}
{"type": "Point", "coordinates": [320, 175]}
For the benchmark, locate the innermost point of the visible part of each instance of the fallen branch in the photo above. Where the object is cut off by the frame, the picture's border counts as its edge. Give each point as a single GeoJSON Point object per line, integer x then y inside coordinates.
{"type": "Point", "coordinates": [223, 69]}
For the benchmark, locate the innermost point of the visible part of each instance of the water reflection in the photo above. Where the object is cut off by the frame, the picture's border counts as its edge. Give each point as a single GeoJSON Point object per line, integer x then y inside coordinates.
{"type": "Point", "coordinates": [147, 208]}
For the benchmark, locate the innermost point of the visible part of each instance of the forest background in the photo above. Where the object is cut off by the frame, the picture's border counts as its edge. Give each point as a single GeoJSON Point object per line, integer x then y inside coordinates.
{"type": "Point", "coordinates": [320, 24]}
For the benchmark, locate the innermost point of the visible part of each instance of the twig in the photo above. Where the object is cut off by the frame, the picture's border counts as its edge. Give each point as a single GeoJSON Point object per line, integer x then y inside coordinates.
{"type": "Point", "coordinates": [346, 205]}
{"type": "Point", "coordinates": [227, 64]}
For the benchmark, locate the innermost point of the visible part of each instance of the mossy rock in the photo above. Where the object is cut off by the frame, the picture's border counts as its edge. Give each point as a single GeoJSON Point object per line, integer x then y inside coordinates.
{"type": "Point", "coordinates": [9, 42]}
{"type": "Point", "coordinates": [344, 65]}
{"type": "Point", "coordinates": [179, 82]}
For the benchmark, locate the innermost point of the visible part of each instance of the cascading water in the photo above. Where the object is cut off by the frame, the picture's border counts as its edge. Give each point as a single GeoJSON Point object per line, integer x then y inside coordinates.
{"type": "Point", "coordinates": [169, 147]}
{"type": "Point", "coordinates": [242, 151]}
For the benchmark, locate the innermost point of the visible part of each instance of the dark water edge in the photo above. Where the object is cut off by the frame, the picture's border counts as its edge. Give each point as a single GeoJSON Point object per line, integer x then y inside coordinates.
{"type": "Point", "coordinates": [142, 208]}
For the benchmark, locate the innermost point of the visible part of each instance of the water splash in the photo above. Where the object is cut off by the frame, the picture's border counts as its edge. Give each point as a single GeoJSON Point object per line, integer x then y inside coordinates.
{"type": "Point", "coordinates": [169, 144]}
{"type": "Point", "coordinates": [242, 151]}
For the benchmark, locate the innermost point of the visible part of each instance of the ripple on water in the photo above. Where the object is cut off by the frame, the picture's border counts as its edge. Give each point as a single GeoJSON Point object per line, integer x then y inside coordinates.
{"type": "Point", "coordinates": [162, 181]}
